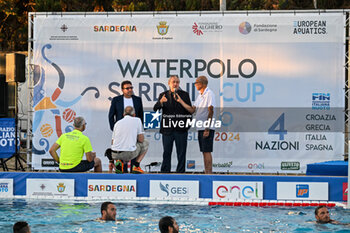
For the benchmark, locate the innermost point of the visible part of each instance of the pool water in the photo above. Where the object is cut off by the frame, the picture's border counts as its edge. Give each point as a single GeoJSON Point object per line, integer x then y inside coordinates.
{"type": "Point", "coordinates": [78, 216]}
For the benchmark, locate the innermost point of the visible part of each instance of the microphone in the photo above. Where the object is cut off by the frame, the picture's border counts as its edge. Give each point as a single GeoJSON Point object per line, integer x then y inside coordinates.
{"type": "Point", "coordinates": [175, 96]}
{"type": "Point", "coordinates": [153, 164]}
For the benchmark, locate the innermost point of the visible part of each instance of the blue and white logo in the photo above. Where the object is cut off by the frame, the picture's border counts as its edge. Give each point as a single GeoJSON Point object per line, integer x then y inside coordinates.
{"type": "Point", "coordinates": [151, 119]}
{"type": "Point", "coordinates": [164, 188]}
{"type": "Point", "coordinates": [174, 189]}
{"type": "Point", "coordinates": [321, 101]}
{"type": "Point", "coordinates": [302, 190]}
{"type": "Point", "coordinates": [4, 187]}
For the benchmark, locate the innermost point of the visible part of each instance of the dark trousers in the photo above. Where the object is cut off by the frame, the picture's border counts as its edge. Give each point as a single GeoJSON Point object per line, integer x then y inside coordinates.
{"type": "Point", "coordinates": [180, 139]}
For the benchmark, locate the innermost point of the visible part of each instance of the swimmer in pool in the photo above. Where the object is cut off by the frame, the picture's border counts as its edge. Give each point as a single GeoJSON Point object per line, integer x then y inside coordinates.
{"type": "Point", "coordinates": [108, 211]}
{"type": "Point", "coordinates": [322, 216]}
{"type": "Point", "coordinates": [21, 227]}
{"type": "Point", "coordinates": [168, 224]}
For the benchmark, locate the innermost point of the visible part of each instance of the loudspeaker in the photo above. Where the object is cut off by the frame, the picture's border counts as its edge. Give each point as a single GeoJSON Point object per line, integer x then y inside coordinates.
{"type": "Point", "coordinates": [3, 97]}
{"type": "Point", "coordinates": [15, 67]}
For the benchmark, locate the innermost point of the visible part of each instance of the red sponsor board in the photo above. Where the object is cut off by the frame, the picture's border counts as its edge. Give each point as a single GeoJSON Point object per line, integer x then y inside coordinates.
{"type": "Point", "coordinates": [345, 191]}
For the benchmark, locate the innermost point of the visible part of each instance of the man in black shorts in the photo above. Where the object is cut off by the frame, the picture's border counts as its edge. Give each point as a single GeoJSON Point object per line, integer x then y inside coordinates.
{"type": "Point", "coordinates": [73, 146]}
{"type": "Point", "coordinates": [204, 106]}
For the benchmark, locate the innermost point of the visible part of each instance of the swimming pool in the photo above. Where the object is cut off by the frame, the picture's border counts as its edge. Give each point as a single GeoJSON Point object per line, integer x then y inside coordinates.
{"type": "Point", "coordinates": [77, 216]}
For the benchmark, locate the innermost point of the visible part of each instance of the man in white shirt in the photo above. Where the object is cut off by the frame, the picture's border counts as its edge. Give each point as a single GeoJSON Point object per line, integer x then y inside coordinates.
{"type": "Point", "coordinates": [204, 107]}
{"type": "Point", "coordinates": [128, 142]}
{"type": "Point", "coordinates": [118, 105]}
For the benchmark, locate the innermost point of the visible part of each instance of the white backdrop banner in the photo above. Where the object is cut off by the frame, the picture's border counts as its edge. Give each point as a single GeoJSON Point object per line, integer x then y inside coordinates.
{"type": "Point", "coordinates": [278, 81]}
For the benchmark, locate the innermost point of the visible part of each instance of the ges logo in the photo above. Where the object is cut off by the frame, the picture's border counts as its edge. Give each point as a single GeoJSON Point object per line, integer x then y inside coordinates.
{"type": "Point", "coordinates": [302, 190]}
{"type": "Point", "coordinates": [173, 190]}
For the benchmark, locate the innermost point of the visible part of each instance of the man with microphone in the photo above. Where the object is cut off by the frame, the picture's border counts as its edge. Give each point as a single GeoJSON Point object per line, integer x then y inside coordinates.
{"type": "Point", "coordinates": [173, 124]}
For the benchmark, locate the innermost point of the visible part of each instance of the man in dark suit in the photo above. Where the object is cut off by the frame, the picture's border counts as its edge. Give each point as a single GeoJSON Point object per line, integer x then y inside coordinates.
{"type": "Point", "coordinates": [119, 103]}
{"type": "Point", "coordinates": [173, 113]}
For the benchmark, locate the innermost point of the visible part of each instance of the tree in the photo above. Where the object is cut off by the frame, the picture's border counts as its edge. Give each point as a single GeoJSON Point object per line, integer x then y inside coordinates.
{"type": "Point", "coordinates": [14, 23]}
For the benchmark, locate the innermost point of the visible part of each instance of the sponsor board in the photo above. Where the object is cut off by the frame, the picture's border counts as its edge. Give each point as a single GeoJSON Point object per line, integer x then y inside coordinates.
{"type": "Point", "coordinates": [237, 190]}
{"type": "Point", "coordinates": [6, 187]}
{"type": "Point", "coordinates": [49, 163]}
{"type": "Point", "coordinates": [191, 164]}
{"type": "Point", "coordinates": [290, 165]}
{"type": "Point", "coordinates": [50, 187]}
{"type": "Point", "coordinates": [174, 188]}
{"type": "Point", "coordinates": [345, 191]}
{"type": "Point", "coordinates": [317, 191]}
{"type": "Point", "coordinates": [111, 188]}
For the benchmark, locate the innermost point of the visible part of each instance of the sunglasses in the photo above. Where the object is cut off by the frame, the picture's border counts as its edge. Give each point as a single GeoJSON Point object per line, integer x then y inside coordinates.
{"type": "Point", "coordinates": [128, 88]}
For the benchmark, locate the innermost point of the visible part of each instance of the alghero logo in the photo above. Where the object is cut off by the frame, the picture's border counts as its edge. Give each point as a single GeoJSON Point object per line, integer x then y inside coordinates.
{"type": "Point", "coordinates": [310, 27]}
{"type": "Point", "coordinates": [245, 28]}
{"type": "Point", "coordinates": [202, 27]}
{"type": "Point", "coordinates": [117, 28]}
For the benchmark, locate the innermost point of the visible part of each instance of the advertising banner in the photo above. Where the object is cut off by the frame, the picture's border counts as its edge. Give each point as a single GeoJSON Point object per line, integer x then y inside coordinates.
{"type": "Point", "coordinates": [50, 187]}
{"type": "Point", "coordinates": [230, 190]}
{"type": "Point", "coordinates": [278, 81]}
{"type": "Point", "coordinates": [316, 191]}
{"type": "Point", "coordinates": [345, 191]}
{"type": "Point", "coordinates": [112, 188]}
{"type": "Point", "coordinates": [173, 189]}
{"type": "Point", "coordinates": [7, 137]}
{"type": "Point", "coordinates": [6, 187]}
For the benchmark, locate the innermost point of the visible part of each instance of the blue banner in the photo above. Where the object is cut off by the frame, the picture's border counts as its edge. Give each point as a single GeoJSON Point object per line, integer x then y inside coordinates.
{"type": "Point", "coordinates": [7, 137]}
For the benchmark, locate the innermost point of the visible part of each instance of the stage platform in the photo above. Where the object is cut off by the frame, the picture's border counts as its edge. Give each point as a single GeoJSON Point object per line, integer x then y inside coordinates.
{"type": "Point", "coordinates": [170, 186]}
{"type": "Point", "coordinates": [328, 168]}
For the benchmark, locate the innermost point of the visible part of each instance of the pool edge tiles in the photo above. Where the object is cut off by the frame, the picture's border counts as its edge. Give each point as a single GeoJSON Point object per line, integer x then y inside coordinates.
{"type": "Point", "coordinates": [171, 186]}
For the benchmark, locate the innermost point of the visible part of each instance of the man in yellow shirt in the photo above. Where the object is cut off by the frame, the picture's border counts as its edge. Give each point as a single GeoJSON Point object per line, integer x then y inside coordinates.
{"type": "Point", "coordinates": [73, 146]}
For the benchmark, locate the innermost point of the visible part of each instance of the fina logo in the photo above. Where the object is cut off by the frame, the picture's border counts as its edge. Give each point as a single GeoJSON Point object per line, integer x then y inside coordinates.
{"type": "Point", "coordinates": [152, 120]}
